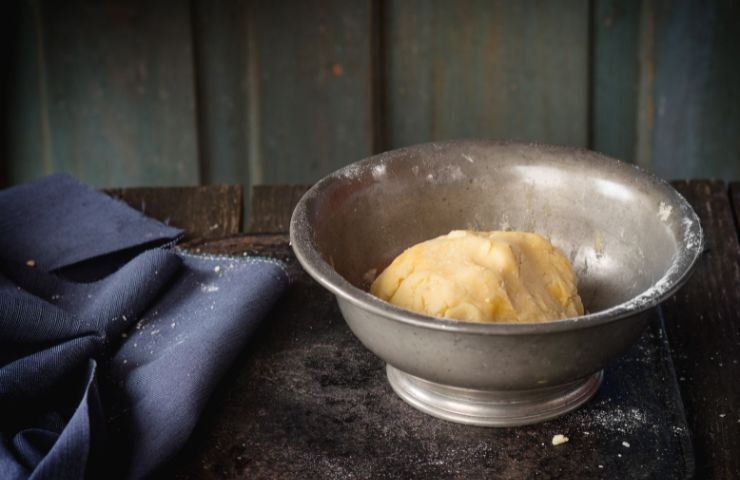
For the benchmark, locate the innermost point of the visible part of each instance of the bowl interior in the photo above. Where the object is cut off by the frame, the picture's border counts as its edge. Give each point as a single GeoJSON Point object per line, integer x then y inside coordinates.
{"type": "Point", "coordinates": [622, 229]}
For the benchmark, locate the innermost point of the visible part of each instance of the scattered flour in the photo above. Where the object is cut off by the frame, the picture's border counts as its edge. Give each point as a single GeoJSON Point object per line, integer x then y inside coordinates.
{"type": "Point", "coordinates": [610, 419]}
{"type": "Point", "coordinates": [447, 174]}
{"type": "Point", "coordinates": [378, 171]}
{"type": "Point", "coordinates": [664, 211]}
{"type": "Point", "coordinates": [691, 238]}
{"type": "Point", "coordinates": [504, 224]}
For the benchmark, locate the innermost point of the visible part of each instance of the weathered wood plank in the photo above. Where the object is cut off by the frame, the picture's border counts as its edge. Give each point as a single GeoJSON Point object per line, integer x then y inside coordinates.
{"type": "Point", "coordinates": [703, 325]}
{"type": "Point", "coordinates": [109, 94]}
{"type": "Point", "coordinates": [28, 132]}
{"type": "Point", "coordinates": [214, 211]}
{"type": "Point", "coordinates": [285, 90]}
{"type": "Point", "coordinates": [310, 93]}
{"type": "Point", "coordinates": [697, 107]}
{"type": "Point", "coordinates": [646, 87]}
{"type": "Point", "coordinates": [272, 207]}
{"type": "Point", "coordinates": [9, 23]}
{"type": "Point", "coordinates": [735, 201]}
{"type": "Point", "coordinates": [273, 245]}
{"type": "Point", "coordinates": [494, 69]}
{"type": "Point", "coordinates": [614, 64]}
{"type": "Point", "coordinates": [220, 40]}
{"type": "Point", "coordinates": [248, 243]}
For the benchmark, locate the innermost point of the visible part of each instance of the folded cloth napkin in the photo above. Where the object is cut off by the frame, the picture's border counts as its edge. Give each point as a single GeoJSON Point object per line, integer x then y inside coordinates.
{"type": "Point", "coordinates": [106, 378]}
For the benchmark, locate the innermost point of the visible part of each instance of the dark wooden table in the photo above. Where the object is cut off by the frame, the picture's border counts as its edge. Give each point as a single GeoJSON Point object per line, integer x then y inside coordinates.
{"type": "Point", "coordinates": [701, 321]}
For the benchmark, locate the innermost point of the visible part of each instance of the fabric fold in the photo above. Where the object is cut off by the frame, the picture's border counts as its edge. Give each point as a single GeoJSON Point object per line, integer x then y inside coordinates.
{"type": "Point", "coordinates": [108, 377]}
{"type": "Point", "coordinates": [57, 221]}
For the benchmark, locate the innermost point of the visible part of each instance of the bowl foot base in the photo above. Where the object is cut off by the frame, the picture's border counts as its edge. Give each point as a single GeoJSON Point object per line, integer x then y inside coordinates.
{"type": "Point", "coordinates": [492, 408]}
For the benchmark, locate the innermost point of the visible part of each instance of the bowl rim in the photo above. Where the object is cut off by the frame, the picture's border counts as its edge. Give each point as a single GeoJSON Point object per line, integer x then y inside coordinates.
{"type": "Point", "coordinates": [311, 260]}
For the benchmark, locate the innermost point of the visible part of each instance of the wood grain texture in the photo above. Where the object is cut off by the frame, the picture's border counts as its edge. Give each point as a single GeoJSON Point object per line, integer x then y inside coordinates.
{"type": "Point", "coordinates": [646, 88]}
{"type": "Point", "coordinates": [735, 201]}
{"type": "Point", "coordinates": [273, 245]}
{"type": "Point", "coordinates": [313, 108]}
{"type": "Point", "coordinates": [703, 325]}
{"type": "Point", "coordinates": [220, 36]}
{"type": "Point", "coordinates": [487, 69]}
{"type": "Point", "coordinates": [615, 73]}
{"type": "Point", "coordinates": [272, 207]}
{"type": "Point", "coordinates": [213, 211]}
{"type": "Point", "coordinates": [106, 92]}
{"type": "Point", "coordinates": [253, 92]}
{"type": "Point", "coordinates": [285, 89]}
{"type": "Point", "coordinates": [9, 23]}
{"type": "Point", "coordinates": [697, 98]}
{"type": "Point", "coordinates": [28, 129]}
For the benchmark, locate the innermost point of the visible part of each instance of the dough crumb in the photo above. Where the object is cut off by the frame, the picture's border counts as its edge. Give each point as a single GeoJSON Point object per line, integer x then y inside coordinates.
{"type": "Point", "coordinates": [626, 444]}
{"type": "Point", "coordinates": [559, 439]}
{"type": "Point", "coordinates": [31, 263]}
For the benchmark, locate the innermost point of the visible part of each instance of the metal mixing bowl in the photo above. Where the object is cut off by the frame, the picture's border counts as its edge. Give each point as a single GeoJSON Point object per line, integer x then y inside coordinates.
{"type": "Point", "coordinates": [632, 239]}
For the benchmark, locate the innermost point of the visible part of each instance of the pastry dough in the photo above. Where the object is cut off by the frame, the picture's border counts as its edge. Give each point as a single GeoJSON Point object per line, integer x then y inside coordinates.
{"type": "Point", "coordinates": [486, 277]}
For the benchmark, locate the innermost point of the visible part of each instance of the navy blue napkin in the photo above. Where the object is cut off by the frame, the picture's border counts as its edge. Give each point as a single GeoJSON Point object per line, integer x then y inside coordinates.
{"type": "Point", "coordinates": [57, 221]}
{"type": "Point", "coordinates": [107, 378]}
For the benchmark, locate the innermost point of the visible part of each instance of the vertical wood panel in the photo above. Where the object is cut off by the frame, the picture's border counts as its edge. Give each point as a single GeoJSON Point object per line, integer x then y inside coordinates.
{"type": "Point", "coordinates": [9, 23]}
{"type": "Point", "coordinates": [697, 89]}
{"type": "Point", "coordinates": [615, 69]}
{"type": "Point", "coordinates": [285, 88]}
{"type": "Point", "coordinates": [220, 38]}
{"type": "Point", "coordinates": [487, 68]}
{"type": "Point", "coordinates": [646, 94]}
{"type": "Point", "coordinates": [220, 44]}
{"type": "Point", "coordinates": [109, 93]}
{"type": "Point", "coordinates": [313, 66]}
{"type": "Point", "coordinates": [26, 132]}
{"type": "Point", "coordinates": [288, 91]}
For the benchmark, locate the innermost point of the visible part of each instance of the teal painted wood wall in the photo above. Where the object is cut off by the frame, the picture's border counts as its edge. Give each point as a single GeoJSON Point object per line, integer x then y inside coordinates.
{"type": "Point", "coordinates": [176, 92]}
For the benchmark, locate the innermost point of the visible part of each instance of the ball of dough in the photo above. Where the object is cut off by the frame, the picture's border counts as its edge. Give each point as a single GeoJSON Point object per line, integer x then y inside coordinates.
{"type": "Point", "coordinates": [486, 277]}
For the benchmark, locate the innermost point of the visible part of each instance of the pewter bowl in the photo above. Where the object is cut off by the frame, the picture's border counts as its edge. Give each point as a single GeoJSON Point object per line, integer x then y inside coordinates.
{"type": "Point", "coordinates": [632, 239]}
